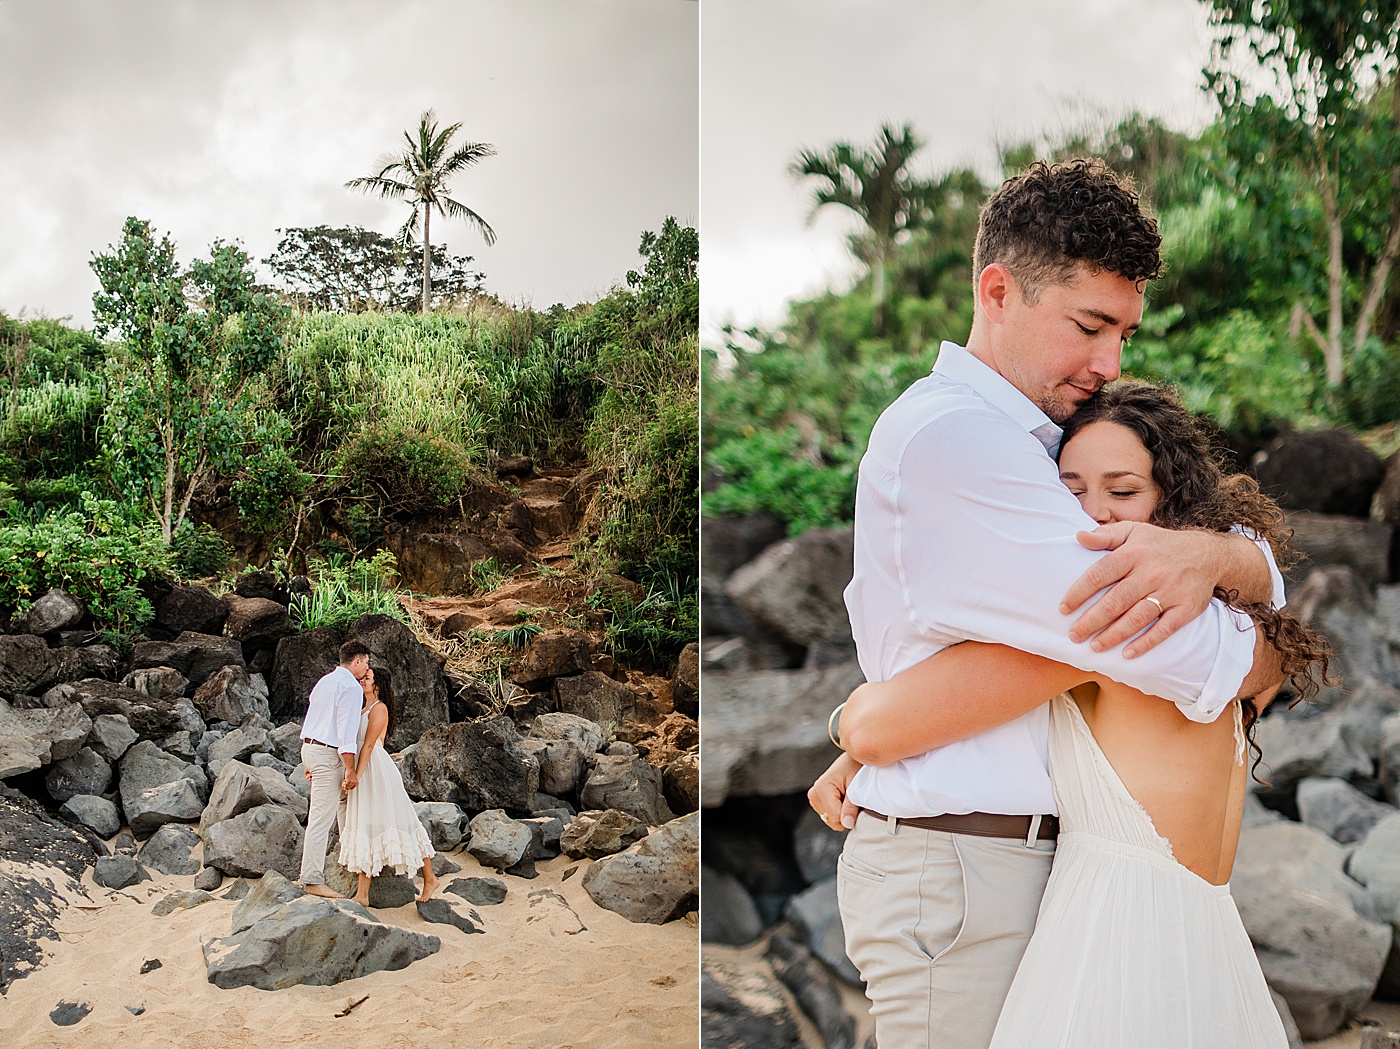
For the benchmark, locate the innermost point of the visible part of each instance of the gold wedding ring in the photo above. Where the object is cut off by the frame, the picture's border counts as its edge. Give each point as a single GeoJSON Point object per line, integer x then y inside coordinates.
{"type": "Point", "coordinates": [1160, 609]}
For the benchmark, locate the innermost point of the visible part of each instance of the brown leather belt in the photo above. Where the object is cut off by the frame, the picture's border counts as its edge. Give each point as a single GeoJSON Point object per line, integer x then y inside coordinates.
{"type": "Point", "coordinates": [307, 739]}
{"type": "Point", "coordinates": [981, 824]}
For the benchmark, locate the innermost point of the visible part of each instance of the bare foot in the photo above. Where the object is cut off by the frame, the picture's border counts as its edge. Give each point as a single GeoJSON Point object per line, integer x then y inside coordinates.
{"type": "Point", "coordinates": [363, 901]}
{"type": "Point", "coordinates": [429, 887]}
{"type": "Point", "coordinates": [318, 889]}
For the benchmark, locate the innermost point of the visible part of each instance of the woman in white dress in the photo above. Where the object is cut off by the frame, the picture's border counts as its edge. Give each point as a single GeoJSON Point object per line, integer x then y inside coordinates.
{"type": "Point", "coordinates": [1138, 942]}
{"type": "Point", "coordinates": [381, 828]}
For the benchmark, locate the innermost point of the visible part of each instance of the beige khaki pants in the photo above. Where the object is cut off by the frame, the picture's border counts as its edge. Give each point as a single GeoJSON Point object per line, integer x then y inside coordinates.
{"type": "Point", "coordinates": [327, 806]}
{"type": "Point", "coordinates": [937, 923]}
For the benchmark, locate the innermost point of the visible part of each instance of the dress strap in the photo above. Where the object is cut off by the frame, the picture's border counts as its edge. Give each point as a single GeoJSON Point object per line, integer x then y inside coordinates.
{"type": "Point", "coordinates": [1240, 745]}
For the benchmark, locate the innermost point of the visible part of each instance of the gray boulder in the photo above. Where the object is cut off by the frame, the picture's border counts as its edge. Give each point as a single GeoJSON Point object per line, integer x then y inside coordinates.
{"type": "Point", "coordinates": [584, 734]}
{"type": "Point", "coordinates": [1338, 809]}
{"type": "Point", "coordinates": [56, 610]}
{"type": "Point", "coordinates": [30, 739]}
{"type": "Point", "coordinates": [795, 586]}
{"type": "Point", "coordinates": [444, 822]}
{"type": "Point", "coordinates": [816, 918]}
{"type": "Point", "coordinates": [562, 764]}
{"type": "Point", "coordinates": [1327, 744]}
{"type": "Point", "coordinates": [545, 832]}
{"type": "Point", "coordinates": [26, 665]}
{"type": "Point", "coordinates": [190, 608]}
{"type": "Point", "coordinates": [1376, 864]}
{"type": "Point", "coordinates": [1300, 910]}
{"type": "Point", "coordinates": [498, 841]}
{"type": "Point", "coordinates": [300, 661]}
{"type": "Point", "coordinates": [286, 742]}
{"type": "Point", "coordinates": [238, 745]}
{"type": "Point", "coordinates": [595, 697]}
{"type": "Point", "coordinates": [149, 717]}
{"type": "Point", "coordinates": [310, 940]}
{"type": "Point", "coordinates": [816, 991]}
{"type": "Point", "coordinates": [649, 881]}
{"type": "Point", "coordinates": [627, 783]}
{"type": "Point", "coordinates": [729, 915]}
{"type": "Point", "coordinates": [484, 892]}
{"type": "Point", "coordinates": [157, 788]}
{"type": "Point", "coordinates": [765, 732]}
{"type": "Point", "coordinates": [97, 813]}
{"type": "Point", "coordinates": [817, 847]}
{"type": "Point", "coordinates": [262, 898]}
{"type": "Point", "coordinates": [554, 653]}
{"type": "Point", "coordinates": [1328, 471]}
{"type": "Point", "coordinates": [1339, 603]}
{"type": "Point", "coordinates": [598, 833]}
{"type": "Point", "coordinates": [441, 912]}
{"type": "Point", "coordinates": [170, 850]}
{"type": "Point", "coordinates": [387, 889]}
{"type": "Point", "coordinates": [262, 839]}
{"type": "Point", "coordinates": [164, 683]}
{"type": "Point", "coordinates": [1388, 760]}
{"type": "Point", "coordinates": [196, 655]}
{"type": "Point", "coordinates": [685, 682]}
{"type": "Point", "coordinates": [231, 694]}
{"type": "Point", "coordinates": [86, 772]}
{"type": "Point", "coordinates": [680, 782]}
{"type": "Point", "coordinates": [1327, 540]}
{"type": "Point", "coordinates": [208, 879]}
{"type": "Point", "coordinates": [477, 765]}
{"type": "Point", "coordinates": [256, 622]}
{"type": "Point", "coordinates": [118, 872]}
{"type": "Point", "coordinates": [111, 736]}
{"type": "Point", "coordinates": [179, 900]}
{"type": "Point", "coordinates": [744, 1006]}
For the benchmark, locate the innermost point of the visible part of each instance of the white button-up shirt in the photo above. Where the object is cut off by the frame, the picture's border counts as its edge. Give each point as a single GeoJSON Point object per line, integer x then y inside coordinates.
{"type": "Point", "coordinates": [333, 711]}
{"type": "Point", "coordinates": [964, 531]}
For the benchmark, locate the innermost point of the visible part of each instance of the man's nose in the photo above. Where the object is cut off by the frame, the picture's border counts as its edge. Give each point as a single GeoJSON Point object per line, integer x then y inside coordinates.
{"type": "Point", "coordinates": [1107, 364]}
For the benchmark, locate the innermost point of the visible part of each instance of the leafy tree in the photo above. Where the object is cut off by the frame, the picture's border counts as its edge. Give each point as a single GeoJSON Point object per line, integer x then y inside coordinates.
{"type": "Point", "coordinates": [349, 269]}
{"type": "Point", "coordinates": [876, 184]}
{"type": "Point", "coordinates": [182, 381]}
{"type": "Point", "coordinates": [422, 172]}
{"type": "Point", "coordinates": [1327, 132]}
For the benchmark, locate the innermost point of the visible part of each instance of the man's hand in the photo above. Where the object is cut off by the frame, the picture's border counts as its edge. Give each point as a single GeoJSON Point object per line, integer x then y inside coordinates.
{"type": "Point", "coordinates": [350, 782]}
{"type": "Point", "coordinates": [1178, 568]}
{"type": "Point", "coordinates": [828, 795]}
{"type": "Point", "coordinates": [307, 771]}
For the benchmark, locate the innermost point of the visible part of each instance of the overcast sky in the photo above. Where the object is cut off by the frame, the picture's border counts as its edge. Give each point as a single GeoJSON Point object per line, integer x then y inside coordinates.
{"type": "Point", "coordinates": [233, 119]}
{"type": "Point", "coordinates": [779, 75]}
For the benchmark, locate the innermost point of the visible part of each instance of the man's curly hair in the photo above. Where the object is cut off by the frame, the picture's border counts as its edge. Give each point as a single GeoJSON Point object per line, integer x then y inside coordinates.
{"type": "Point", "coordinates": [1046, 222]}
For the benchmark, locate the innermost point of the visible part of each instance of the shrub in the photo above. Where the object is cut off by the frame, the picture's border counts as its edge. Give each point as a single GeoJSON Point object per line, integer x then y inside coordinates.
{"type": "Point", "coordinates": [268, 490]}
{"type": "Point", "coordinates": [98, 554]}
{"type": "Point", "coordinates": [411, 472]}
{"type": "Point", "coordinates": [657, 627]}
{"type": "Point", "coordinates": [200, 551]}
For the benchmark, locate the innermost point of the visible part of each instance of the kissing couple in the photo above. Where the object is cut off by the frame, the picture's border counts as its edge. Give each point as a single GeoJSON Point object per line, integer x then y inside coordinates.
{"type": "Point", "coordinates": [1044, 812]}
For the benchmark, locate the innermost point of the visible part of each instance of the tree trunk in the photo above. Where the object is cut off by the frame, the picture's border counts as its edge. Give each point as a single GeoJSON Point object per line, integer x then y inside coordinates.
{"type": "Point", "coordinates": [877, 291]}
{"type": "Point", "coordinates": [427, 258]}
{"type": "Point", "coordinates": [1334, 280]}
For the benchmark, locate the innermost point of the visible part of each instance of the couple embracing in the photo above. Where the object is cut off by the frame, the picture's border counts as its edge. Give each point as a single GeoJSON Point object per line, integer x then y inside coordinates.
{"type": "Point", "coordinates": [1044, 810]}
{"type": "Point", "coordinates": [354, 782]}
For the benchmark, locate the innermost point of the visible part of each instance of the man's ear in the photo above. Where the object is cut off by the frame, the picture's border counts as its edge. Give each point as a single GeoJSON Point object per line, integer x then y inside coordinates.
{"type": "Point", "coordinates": [995, 288]}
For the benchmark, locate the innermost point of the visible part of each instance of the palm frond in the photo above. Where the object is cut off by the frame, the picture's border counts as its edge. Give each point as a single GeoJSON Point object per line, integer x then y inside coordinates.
{"type": "Point", "coordinates": [466, 156]}
{"type": "Point", "coordinates": [456, 210]}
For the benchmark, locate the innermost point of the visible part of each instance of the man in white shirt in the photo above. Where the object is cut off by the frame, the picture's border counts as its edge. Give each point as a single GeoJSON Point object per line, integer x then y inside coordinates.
{"type": "Point", "coordinates": [964, 532]}
{"type": "Point", "coordinates": [329, 738]}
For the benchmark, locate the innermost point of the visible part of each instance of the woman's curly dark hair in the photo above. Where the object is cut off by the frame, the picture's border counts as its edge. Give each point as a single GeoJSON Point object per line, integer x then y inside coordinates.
{"type": "Point", "coordinates": [1197, 493]}
{"type": "Point", "coordinates": [1046, 222]}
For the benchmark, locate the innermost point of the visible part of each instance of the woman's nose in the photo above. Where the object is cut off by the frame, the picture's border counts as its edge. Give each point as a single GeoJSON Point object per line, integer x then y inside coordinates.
{"type": "Point", "coordinates": [1097, 508]}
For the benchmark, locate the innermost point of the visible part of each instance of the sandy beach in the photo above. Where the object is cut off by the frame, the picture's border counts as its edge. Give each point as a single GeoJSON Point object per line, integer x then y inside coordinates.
{"type": "Point", "coordinates": [552, 969]}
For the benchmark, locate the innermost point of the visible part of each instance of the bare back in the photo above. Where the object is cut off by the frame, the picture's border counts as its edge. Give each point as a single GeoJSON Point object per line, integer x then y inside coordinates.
{"type": "Point", "coordinates": [1186, 776]}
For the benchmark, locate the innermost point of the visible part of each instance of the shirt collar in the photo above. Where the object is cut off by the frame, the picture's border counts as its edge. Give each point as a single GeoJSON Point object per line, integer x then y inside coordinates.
{"type": "Point", "coordinates": [958, 365]}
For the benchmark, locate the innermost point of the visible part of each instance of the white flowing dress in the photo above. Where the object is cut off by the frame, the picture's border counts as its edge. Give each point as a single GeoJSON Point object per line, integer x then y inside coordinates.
{"type": "Point", "coordinates": [1130, 948]}
{"type": "Point", "coordinates": [381, 828]}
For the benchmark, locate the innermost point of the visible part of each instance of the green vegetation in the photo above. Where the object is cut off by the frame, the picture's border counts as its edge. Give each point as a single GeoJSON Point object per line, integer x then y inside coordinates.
{"type": "Point", "coordinates": [342, 591]}
{"type": "Point", "coordinates": [1280, 223]}
{"type": "Point", "coordinates": [306, 435]}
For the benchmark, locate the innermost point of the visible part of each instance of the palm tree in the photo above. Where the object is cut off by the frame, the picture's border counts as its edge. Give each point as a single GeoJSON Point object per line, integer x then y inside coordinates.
{"type": "Point", "coordinates": [876, 185]}
{"type": "Point", "coordinates": [422, 171]}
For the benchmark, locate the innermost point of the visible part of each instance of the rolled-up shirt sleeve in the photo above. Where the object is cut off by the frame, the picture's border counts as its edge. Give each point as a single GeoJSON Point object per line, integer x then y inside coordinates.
{"type": "Point", "coordinates": [349, 700]}
{"type": "Point", "coordinates": [986, 549]}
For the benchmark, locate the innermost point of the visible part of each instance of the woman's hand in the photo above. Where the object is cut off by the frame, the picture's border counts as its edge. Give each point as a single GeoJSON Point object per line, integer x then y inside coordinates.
{"type": "Point", "coordinates": [828, 794]}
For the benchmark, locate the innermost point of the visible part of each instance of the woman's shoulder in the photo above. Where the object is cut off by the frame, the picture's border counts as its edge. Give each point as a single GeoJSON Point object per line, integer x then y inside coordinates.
{"type": "Point", "coordinates": [377, 711]}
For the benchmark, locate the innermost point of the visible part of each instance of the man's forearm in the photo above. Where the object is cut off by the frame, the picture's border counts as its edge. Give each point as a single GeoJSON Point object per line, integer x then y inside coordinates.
{"type": "Point", "coordinates": [1243, 568]}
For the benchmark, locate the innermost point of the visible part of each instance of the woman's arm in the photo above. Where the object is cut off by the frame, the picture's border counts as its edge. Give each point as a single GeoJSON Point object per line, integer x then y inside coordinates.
{"type": "Point", "coordinates": [961, 691]}
{"type": "Point", "coordinates": [374, 732]}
